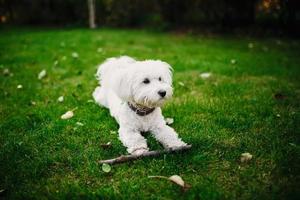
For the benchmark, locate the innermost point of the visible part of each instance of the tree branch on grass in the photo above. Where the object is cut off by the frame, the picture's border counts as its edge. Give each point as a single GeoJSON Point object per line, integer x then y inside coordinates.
{"type": "Point", "coordinates": [126, 158]}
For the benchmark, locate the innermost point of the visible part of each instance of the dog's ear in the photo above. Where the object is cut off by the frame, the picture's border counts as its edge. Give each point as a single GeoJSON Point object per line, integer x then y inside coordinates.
{"type": "Point", "coordinates": [122, 84]}
{"type": "Point", "coordinates": [168, 72]}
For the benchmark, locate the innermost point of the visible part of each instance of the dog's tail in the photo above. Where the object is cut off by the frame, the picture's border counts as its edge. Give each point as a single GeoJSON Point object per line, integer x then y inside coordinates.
{"type": "Point", "coordinates": [111, 65]}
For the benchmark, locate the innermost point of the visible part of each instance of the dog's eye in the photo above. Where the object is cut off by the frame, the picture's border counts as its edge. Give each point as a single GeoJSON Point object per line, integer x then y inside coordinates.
{"type": "Point", "coordinates": [159, 78]}
{"type": "Point", "coordinates": [146, 81]}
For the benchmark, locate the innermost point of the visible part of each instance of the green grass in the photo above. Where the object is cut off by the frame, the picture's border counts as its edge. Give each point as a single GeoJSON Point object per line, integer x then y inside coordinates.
{"type": "Point", "coordinates": [232, 112]}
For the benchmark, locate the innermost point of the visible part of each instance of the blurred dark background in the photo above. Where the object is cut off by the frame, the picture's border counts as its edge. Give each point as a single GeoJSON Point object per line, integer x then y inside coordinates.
{"type": "Point", "coordinates": [279, 17]}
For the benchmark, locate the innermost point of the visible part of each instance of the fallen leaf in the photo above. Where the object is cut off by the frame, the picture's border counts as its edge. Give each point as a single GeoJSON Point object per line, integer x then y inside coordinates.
{"type": "Point", "coordinates": [181, 83]}
{"type": "Point", "coordinates": [67, 115]}
{"type": "Point", "coordinates": [75, 55]}
{"type": "Point", "coordinates": [245, 157]}
{"type": "Point", "coordinates": [60, 99]}
{"type": "Point", "coordinates": [174, 179]}
{"type": "Point", "coordinates": [205, 75]}
{"type": "Point", "coordinates": [106, 168]}
{"type": "Point", "coordinates": [42, 74]}
{"type": "Point", "coordinates": [169, 121]}
{"type": "Point", "coordinates": [20, 86]}
{"type": "Point", "coordinates": [233, 61]}
{"type": "Point", "coordinates": [106, 145]}
{"type": "Point", "coordinates": [79, 124]}
{"type": "Point", "coordinates": [177, 180]}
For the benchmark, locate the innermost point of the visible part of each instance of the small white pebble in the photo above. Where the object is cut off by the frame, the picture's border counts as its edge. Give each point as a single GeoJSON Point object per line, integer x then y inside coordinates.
{"type": "Point", "coordinates": [233, 61]}
{"type": "Point", "coordinates": [245, 157]}
{"type": "Point", "coordinates": [75, 55]}
{"type": "Point", "coordinates": [20, 86]}
{"type": "Point", "coordinates": [42, 74]}
{"type": "Point", "coordinates": [169, 121]}
{"type": "Point", "coordinates": [181, 83]}
{"type": "Point", "coordinates": [250, 45]}
{"type": "Point", "coordinates": [79, 123]}
{"type": "Point", "coordinates": [60, 99]}
{"type": "Point", "coordinates": [205, 75]}
{"type": "Point", "coordinates": [67, 115]}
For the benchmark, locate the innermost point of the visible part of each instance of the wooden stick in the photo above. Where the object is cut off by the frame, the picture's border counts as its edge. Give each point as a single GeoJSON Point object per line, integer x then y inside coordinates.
{"type": "Point", "coordinates": [126, 158]}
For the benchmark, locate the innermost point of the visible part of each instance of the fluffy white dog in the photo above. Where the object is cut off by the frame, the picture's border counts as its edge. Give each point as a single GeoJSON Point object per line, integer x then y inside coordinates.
{"type": "Point", "coordinates": [133, 91]}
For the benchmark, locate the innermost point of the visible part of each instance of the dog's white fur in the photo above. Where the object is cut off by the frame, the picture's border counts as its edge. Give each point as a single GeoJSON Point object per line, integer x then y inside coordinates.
{"type": "Point", "coordinates": [122, 81]}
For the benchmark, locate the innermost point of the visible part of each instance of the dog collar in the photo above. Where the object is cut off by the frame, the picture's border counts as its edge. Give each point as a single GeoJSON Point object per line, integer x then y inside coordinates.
{"type": "Point", "coordinates": [140, 111]}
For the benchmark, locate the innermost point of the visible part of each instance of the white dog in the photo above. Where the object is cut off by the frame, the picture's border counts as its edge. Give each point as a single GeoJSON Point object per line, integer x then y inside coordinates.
{"type": "Point", "coordinates": [133, 91]}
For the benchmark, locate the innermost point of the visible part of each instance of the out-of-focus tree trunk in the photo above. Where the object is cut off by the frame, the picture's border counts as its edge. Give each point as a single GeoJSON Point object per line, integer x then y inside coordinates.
{"type": "Point", "coordinates": [92, 13]}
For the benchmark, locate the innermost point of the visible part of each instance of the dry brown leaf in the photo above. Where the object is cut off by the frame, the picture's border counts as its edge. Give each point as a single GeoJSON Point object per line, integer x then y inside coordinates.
{"type": "Point", "coordinates": [177, 180]}
{"type": "Point", "coordinates": [174, 179]}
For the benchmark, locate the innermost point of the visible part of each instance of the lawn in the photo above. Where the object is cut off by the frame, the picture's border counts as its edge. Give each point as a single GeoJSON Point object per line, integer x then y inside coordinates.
{"type": "Point", "coordinates": [250, 103]}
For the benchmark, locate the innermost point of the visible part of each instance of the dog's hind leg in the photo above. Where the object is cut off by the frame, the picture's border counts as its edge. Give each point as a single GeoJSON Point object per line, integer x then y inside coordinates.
{"type": "Point", "coordinates": [99, 95]}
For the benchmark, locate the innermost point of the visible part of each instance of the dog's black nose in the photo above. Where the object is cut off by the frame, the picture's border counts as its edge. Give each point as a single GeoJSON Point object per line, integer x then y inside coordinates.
{"type": "Point", "coordinates": [162, 93]}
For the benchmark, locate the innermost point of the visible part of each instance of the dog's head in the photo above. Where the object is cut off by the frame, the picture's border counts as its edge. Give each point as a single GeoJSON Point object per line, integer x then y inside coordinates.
{"type": "Point", "coordinates": [147, 83]}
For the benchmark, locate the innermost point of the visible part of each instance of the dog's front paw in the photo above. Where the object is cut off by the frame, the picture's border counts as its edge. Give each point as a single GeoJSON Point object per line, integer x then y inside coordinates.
{"type": "Point", "coordinates": [139, 151]}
